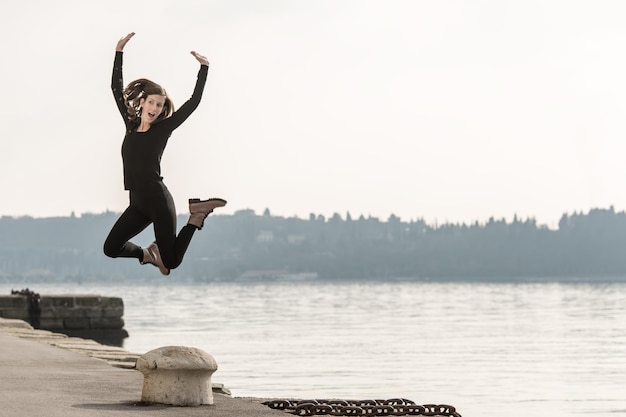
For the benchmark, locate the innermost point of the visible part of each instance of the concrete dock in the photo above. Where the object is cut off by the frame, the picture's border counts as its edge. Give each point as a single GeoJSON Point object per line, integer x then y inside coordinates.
{"type": "Point", "coordinates": [48, 374]}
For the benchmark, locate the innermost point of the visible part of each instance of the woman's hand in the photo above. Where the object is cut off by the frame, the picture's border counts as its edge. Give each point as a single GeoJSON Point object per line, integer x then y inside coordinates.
{"type": "Point", "coordinates": [122, 42]}
{"type": "Point", "coordinates": [201, 58]}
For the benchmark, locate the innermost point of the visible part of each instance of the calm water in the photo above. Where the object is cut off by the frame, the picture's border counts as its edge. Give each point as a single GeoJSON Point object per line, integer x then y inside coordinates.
{"type": "Point", "coordinates": [488, 349]}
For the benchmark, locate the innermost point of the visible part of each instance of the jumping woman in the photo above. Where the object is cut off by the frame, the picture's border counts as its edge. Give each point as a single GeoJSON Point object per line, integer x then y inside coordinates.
{"type": "Point", "coordinates": [150, 119]}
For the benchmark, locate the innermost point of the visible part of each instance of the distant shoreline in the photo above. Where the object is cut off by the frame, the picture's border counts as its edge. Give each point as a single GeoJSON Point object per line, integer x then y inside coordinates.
{"type": "Point", "coordinates": [159, 281]}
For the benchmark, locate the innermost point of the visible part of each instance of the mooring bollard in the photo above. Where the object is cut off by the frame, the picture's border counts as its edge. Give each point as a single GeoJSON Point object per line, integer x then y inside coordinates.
{"type": "Point", "coordinates": [177, 375]}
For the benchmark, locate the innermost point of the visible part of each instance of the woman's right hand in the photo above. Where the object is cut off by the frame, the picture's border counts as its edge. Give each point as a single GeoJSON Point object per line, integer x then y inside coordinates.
{"type": "Point", "coordinates": [122, 42]}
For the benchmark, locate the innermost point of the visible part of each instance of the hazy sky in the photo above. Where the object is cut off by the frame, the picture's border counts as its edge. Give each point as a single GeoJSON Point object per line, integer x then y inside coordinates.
{"type": "Point", "coordinates": [453, 111]}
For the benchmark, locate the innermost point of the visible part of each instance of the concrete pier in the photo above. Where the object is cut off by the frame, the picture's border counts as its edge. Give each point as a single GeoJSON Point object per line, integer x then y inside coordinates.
{"type": "Point", "coordinates": [50, 374]}
{"type": "Point", "coordinates": [42, 374]}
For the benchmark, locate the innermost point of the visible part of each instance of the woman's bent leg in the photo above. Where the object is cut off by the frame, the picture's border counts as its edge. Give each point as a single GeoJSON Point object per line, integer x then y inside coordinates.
{"type": "Point", "coordinates": [129, 225]}
{"type": "Point", "coordinates": [172, 247]}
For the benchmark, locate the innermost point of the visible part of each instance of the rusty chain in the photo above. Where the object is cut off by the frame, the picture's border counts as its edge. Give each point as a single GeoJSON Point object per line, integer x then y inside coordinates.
{"type": "Point", "coordinates": [392, 407]}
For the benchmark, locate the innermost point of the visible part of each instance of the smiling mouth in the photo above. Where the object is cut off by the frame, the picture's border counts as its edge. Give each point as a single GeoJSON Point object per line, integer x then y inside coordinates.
{"type": "Point", "coordinates": [152, 115]}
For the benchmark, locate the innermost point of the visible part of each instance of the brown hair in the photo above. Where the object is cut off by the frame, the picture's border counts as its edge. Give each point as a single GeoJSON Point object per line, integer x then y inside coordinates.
{"type": "Point", "coordinates": [142, 88]}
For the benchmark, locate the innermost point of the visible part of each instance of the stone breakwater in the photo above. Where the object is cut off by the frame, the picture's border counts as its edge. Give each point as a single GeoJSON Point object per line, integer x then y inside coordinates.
{"type": "Point", "coordinates": [115, 356]}
{"type": "Point", "coordinates": [65, 312]}
{"type": "Point", "coordinates": [83, 315]}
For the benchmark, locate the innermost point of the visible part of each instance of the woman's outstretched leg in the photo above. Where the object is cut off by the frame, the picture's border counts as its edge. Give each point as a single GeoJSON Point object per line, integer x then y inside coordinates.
{"type": "Point", "coordinates": [173, 250]}
{"type": "Point", "coordinates": [173, 247]}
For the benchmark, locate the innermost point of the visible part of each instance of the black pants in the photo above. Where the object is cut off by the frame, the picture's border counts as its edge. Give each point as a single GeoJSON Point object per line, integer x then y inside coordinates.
{"type": "Point", "coordinates": [145, 208]}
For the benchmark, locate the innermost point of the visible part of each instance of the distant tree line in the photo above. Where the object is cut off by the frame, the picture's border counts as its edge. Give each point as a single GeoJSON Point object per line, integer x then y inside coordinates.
{"type": "Point", "coordinates": [248, 246]}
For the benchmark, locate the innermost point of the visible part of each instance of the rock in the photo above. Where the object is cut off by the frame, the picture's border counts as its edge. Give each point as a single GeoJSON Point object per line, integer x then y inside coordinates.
{"type": "Point", "coordinates": [177, 375]}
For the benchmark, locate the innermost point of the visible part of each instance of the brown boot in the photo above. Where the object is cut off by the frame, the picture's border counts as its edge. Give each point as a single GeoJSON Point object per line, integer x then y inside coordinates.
{"type": "Point", "coordinates": [205, 206]}
{"type": "Point", "coordinates": [199, 209]}
{"type": "Point", "coordinates": [197, 219]}
{"type": "Point", "coordinates": [151, 255]}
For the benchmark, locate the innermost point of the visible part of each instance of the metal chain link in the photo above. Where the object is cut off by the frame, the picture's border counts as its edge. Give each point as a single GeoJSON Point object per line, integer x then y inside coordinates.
{"type": "Point", "coordinates": [392, 407]}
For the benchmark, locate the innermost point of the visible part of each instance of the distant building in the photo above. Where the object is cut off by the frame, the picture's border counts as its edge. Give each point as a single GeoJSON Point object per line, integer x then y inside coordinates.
{"type": "Point", "coordinates": [265, 236]}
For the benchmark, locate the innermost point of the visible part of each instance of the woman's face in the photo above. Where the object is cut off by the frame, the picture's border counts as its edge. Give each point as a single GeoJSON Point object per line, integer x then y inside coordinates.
{"type": "Point", "coordinates": [151, 107]}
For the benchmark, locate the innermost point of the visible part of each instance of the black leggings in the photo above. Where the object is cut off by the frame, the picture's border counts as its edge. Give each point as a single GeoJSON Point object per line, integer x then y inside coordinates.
{"type": "Point", "coordinates": [145, 208]}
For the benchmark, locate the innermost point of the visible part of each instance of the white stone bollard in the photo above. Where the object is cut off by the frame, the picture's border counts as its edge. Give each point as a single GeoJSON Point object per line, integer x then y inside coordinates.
{"type": "Point", "coordinates": [177, 375]}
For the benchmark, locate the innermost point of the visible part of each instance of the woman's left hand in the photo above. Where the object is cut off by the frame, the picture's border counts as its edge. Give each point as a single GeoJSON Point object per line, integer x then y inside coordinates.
{"type": "Point", "coordinates": [201, 58]}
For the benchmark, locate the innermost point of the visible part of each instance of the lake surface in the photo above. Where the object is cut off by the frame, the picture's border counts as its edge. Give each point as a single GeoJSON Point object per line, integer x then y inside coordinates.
{"type": "Point", "coordinates": [488, 349]}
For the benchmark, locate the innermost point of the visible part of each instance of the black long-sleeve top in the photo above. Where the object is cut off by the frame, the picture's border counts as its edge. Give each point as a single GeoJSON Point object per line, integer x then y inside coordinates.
{"type": "Point", "coordinates": [142, 151]}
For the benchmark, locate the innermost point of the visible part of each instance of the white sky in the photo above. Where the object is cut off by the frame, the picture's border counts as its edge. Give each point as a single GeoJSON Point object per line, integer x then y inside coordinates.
{"type": "Point", "coordinates": [451, 111]}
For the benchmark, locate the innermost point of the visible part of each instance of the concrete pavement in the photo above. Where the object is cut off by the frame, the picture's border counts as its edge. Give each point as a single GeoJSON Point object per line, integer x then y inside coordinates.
{"type": "Point", "coordinates": [40, 378]}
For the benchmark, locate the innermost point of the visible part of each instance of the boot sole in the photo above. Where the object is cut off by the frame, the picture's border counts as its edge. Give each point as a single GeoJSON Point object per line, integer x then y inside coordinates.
{"type": "Point", "coordinates": [217, 200]}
